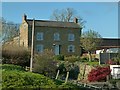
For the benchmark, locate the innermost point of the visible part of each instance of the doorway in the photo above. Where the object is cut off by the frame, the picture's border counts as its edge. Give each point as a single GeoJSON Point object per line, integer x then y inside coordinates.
{"type": "Point", "coordinates": [57, 49]}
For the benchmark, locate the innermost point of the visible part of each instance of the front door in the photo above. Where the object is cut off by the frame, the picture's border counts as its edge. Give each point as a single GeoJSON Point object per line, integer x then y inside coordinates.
{"type": "Point", "coordinates": [57, 49]}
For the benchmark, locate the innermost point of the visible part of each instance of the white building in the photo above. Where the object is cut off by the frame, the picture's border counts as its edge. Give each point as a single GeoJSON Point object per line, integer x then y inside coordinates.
{"type": "Point", "coordinates": [115, 71]}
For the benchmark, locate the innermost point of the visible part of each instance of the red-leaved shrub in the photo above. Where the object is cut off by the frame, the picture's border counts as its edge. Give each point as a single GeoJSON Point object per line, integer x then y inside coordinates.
{"type": "Point", "coordinates": [99, 74]}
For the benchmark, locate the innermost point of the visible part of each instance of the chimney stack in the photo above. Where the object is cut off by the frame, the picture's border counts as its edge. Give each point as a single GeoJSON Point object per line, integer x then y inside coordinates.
{"type": "Point", "coordinates": [75, 20]}
{"type": "Point", "coordinates": [24, 17]}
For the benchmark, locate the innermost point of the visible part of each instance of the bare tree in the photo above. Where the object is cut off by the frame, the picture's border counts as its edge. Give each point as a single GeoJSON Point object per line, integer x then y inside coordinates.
{"type": "Point", "coordinates": [90, 40]}
{"type": "Point", "coordinates": [8, 30]}
{"type": "Point", "coordinates": [66, 15]}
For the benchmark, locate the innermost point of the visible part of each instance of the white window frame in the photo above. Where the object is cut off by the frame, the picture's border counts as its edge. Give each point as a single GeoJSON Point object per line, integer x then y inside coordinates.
{"type": "Point", "coordinates": [56, 36]}
{"type": "Point", "coordinates": [39, 36]}
{"type": "Point", "coordinates": [71, 48]}
{"type": "Point", "coordinates": [71, 37]}
{"type": "Point", "coordinates": [39, 48]}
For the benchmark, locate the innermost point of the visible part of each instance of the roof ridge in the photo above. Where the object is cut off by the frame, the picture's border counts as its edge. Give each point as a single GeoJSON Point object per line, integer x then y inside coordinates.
{"type": "Point", "coordinates": [53, 23]}
{"type": "Point", "coordinates": [49, 21]}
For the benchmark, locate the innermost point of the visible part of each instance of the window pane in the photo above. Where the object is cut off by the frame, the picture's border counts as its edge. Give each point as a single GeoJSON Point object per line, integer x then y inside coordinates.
{"type": "Point", "coordinates": [71, 37]}
{"type": "Point", "coordinates": [39, 48]}
{"type": "Point", "coordinates": [56, 36]}
{"type": "Point", "coordinates": [39, 36]}
{"type": "Point", "coordinates": [71, 48]}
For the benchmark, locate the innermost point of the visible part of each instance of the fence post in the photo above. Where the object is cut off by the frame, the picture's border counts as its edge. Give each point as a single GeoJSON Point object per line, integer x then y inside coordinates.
{"type": "Point", "coordinates": [66, 79]}
{"type": "Point", "coordinates": [57, 74]}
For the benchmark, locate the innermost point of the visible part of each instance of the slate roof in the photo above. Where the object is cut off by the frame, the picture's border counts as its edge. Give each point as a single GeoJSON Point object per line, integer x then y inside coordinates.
{"type": "Point", "coordinates": [110, 42]}
{"type": "Point", "coordinates": [46, 23]}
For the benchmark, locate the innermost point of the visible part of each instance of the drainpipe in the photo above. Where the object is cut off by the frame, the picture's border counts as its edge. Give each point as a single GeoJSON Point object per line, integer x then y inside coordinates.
{"type": "Point", "coordinates": [32, 46]}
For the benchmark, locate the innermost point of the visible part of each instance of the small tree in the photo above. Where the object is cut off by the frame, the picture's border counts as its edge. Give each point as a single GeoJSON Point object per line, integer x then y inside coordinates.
{"type": "Point", "coordinates": [90, 40]}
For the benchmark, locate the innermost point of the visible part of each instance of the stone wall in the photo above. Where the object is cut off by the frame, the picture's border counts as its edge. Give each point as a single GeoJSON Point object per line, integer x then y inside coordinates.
{"type": "Point", "coordinates": [84, 71]}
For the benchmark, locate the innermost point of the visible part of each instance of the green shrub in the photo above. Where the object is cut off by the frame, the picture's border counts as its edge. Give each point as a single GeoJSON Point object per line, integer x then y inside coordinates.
{"type": "Point", "coordinates": [62, 68]}
{"type": "Point", "coordinates": [8, 67]}
{"type": "Point", "coordinates": [74, 72]}
{"type": "Point", "coordinates": [71, 67]}
{"type": "Point", "coordinates": [59, 57]}
{"type": "Point", "coordinates": [72, 58]}
{"type": "Point", "coordinates": [58, 82]}
{"type": "Point", "coordinates": [117, 59]}
{"type": "Point", "coordinates": [14, 79]}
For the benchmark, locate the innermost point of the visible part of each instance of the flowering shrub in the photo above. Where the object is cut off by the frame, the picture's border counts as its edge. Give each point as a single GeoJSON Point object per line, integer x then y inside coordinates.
{"type": "Point", "coordinates": [99, 74]}
{"type": "Point", "coordinates": [59, 57]}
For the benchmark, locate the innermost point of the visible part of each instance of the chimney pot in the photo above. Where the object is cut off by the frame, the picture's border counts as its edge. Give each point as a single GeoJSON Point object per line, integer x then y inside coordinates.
{"type": "Point", "coordinates": [24, 17]}
{"type": "Point", "coordinates": [75, 20]}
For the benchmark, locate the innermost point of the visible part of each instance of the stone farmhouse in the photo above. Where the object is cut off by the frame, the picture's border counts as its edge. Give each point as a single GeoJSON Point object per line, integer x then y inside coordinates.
{"type": "Point", "coordinates": [61, 37]}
